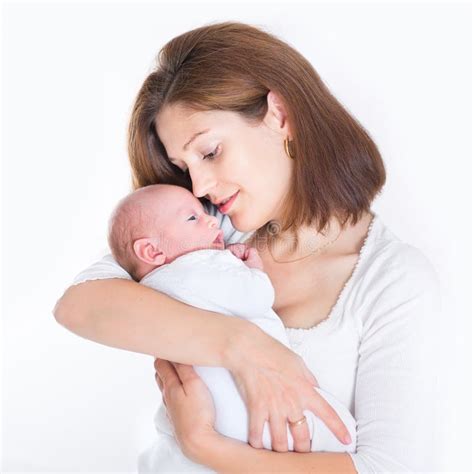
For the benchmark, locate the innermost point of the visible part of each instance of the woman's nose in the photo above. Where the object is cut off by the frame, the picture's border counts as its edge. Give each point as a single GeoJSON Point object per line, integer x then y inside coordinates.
{"type": "Point", "coordinates": [202, 182]}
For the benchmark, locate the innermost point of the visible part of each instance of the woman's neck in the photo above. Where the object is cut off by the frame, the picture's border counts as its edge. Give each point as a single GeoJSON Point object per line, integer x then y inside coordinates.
{"type": "Point", "coordinates": [334, 239]}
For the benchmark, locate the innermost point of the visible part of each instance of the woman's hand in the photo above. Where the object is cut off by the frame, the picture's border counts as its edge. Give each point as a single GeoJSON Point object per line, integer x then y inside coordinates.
{"type": "Point", "coordinates": [277, 386]}
{"type": "Point", "coordinates": [189, 406]}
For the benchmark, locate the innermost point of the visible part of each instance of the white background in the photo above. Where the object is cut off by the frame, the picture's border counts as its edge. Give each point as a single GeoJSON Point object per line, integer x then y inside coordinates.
{"type": "Point", "coordinates": [70, 75]}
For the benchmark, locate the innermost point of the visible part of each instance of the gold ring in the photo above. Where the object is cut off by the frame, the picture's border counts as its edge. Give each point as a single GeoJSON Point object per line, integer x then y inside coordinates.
{"type": "Point", "coordinates": [298, 422]}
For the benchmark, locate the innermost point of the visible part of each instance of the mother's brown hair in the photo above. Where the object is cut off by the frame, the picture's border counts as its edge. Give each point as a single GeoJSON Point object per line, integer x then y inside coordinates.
{"type": "Point", "coordinates": [232, 66]}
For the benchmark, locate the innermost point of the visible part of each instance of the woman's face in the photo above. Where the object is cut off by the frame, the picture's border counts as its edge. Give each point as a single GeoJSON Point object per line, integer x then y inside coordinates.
{"type": "Point", "coordinates": [231, 157]}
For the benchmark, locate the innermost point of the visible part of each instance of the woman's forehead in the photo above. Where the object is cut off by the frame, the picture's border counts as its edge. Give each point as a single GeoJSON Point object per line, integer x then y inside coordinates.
{"type": "Point", "coordinates": [176, 125]}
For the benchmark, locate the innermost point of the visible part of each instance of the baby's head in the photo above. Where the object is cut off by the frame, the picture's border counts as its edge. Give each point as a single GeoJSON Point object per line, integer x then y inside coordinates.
{"type": "Point", "coordinates": [156, 224]}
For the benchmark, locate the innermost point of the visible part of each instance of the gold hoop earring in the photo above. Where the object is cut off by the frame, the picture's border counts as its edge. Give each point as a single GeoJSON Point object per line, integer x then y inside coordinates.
{"type": "Point", "coordinates": [288, 151]}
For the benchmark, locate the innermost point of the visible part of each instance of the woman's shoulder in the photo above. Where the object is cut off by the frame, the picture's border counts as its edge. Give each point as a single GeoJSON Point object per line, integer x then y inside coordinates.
{"type": "Point", "coordinates": [396, 283]}
{"type": "Point", "coordinates": [387, 260]}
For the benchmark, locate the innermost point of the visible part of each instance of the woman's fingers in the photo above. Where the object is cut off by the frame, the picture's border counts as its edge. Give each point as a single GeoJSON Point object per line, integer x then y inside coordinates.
{"type": "Point", "coordinates": [279, 433]}
{"type": "Point", "coordinates": [167, 375]}
{"type": "Point", "coordinates": [157, 376]}
{"type": "Point", "coordinates": [300, 433]}
{"type": "Point", "coordinates": [166, 371]}
{"type": "Point", "coordinates": [321, 408]}
{"type": "Point", "coordinates": [186, 373]}
{"type": "Point", "coordinates": [257, 418]}
{"type": "Point", "coordinates": [159, 382]}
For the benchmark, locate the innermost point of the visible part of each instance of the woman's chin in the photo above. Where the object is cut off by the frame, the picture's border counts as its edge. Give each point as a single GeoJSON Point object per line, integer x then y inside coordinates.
{"type": "Point", "coordinates": [241, 224]}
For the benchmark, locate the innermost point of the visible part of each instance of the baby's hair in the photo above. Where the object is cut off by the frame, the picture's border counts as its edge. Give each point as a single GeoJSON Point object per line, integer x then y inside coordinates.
{"type": "Point", "coordinates": [128, 222]}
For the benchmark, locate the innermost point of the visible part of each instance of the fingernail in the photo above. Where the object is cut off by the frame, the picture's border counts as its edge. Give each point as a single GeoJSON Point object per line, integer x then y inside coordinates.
{"type": "Point", "coordinates": [347, 439]}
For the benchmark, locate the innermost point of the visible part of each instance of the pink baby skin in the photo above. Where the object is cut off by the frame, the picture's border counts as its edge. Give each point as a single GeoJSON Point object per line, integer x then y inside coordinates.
{"type": "Point", "coordinates": [157, 224]}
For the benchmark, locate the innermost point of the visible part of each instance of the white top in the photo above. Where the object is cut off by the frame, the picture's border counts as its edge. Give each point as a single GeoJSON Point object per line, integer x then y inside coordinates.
{"type": "Point", "coordinates": [376, 351]}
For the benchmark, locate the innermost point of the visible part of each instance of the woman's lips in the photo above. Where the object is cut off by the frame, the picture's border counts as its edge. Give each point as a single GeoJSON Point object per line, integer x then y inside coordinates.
{"type": "Point", "coordinates": [224, 208]}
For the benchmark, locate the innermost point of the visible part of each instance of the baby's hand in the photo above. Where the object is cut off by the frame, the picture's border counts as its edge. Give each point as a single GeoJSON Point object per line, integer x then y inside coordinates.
{"type": "Point", "coordinates": [248, 255]}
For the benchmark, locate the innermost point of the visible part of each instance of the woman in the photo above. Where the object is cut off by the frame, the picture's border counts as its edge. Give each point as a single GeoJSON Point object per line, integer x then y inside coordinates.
{"type": "Point", "coordinates": [233, 112]}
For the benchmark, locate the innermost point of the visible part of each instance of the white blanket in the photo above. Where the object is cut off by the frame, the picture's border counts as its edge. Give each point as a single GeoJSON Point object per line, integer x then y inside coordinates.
{"type": "Point", "coordinates": [218, 281]}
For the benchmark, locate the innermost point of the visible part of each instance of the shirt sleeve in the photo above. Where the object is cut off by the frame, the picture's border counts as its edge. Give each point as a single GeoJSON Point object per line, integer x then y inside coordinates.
{"type": "Point", "coordinates": [396, 383]}
{"type": "Point", "coordinates": [106, 267]}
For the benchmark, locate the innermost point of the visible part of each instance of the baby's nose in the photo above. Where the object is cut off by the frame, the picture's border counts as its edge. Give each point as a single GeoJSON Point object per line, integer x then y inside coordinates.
{"type": "Point", "coordinates": [212, 222]}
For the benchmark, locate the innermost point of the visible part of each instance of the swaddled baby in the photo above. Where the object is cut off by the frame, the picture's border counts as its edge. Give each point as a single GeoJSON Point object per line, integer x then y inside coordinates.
{"type": "Point", "coordinates": [163, 237]}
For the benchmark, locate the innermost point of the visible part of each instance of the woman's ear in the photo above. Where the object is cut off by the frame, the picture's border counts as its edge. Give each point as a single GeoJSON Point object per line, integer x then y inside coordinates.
{"type": "Point", "coordinates": [277, 117]}
{"type": "Point", "coordinates": [147, 250]}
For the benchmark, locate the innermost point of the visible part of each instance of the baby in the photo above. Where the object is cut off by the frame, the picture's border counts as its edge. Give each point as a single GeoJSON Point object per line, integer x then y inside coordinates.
{"type": "Point", "coordinates": [156, 224]}
{"type": "Point", "coordinates": [163, 237]}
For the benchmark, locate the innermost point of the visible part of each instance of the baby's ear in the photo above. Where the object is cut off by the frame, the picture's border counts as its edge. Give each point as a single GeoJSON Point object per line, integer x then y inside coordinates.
{"type": "Point", "coordinates": [147, 250]}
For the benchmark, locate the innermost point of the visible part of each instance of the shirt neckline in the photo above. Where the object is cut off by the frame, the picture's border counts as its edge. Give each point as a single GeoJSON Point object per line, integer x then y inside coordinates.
{"type": "Point", "coordinates": [301, 332]}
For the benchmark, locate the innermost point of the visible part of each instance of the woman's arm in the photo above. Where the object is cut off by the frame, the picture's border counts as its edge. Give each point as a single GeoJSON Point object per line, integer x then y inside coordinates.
{"type": "Point", "coordinates": [396, 385]}
{"type": "Point", "coordinates": [127, 315]}
{"type": "Point", "coordinates": [226, 455]}
{"type": "Point", "coordinates": [395, 391]}
{"type": "Point", "coordinates": [105, 306]}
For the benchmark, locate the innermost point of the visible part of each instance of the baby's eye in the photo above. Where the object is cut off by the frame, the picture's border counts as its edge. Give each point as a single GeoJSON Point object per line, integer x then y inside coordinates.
{"type": "Point", "coordinates": [192, 218]}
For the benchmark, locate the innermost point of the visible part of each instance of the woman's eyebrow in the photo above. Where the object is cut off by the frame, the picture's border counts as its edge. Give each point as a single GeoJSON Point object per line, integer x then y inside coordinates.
{"type": "Point", "coordinates": [193, 137]}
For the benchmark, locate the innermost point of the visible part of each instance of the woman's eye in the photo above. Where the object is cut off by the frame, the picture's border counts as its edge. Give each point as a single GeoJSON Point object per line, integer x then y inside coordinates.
{"type": "Point", "coordinates": [212, 155]}
{"type": "Point", "coordinates": [192, 218]}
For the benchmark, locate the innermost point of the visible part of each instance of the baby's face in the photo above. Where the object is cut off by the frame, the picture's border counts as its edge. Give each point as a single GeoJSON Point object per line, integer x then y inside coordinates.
{"type": "Point", "coordinates": [182, 223]}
